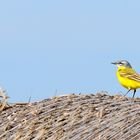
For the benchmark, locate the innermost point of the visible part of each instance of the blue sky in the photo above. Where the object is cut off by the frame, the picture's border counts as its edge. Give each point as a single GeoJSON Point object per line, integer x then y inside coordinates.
{"type": "Point", "coordinates": [56, 47]}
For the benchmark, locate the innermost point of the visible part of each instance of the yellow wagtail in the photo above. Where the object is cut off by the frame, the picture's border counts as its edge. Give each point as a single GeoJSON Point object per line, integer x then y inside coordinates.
{"type": "Point", "coordinates": [127, 76]}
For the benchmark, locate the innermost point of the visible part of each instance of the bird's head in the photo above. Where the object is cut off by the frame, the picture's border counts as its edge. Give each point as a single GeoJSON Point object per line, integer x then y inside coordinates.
{"type": "Point", "coordinates": [122, 63]}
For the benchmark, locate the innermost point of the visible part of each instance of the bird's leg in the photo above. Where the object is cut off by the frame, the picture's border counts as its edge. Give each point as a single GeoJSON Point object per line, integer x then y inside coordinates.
{"type": "Point", "coordinates": [127, 92]}
{"type": "Point", "coordinates": [134, 93]}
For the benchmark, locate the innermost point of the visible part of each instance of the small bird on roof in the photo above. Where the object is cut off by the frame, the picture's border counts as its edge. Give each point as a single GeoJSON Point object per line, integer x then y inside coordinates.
{"type": "Point", "coordinates": [127, 76]}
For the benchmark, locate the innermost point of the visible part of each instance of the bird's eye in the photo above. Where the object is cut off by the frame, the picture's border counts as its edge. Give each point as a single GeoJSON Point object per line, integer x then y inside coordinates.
{"type": "Point", "coordinates": [121, 63]}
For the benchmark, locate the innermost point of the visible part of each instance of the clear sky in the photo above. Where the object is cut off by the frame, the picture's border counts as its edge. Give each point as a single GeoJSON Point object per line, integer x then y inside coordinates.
{"type": "Point", "coordinates": [56, 47]}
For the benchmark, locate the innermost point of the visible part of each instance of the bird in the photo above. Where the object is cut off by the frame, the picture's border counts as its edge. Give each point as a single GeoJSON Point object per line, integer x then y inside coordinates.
{"type": "Point", "coordinates": [127, 76]}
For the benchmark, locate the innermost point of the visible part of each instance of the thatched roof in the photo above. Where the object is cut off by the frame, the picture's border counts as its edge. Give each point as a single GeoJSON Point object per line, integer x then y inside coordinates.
{"type": "Point", "coordinates": [74, 117]}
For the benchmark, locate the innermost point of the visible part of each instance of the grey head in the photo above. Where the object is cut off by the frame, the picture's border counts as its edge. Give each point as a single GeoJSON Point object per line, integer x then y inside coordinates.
{"type": "Point", "coordinates": [122, 63]}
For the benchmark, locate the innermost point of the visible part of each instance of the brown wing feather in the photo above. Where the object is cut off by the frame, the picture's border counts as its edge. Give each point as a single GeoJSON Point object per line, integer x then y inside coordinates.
{"type": "Point", "coordinates": [130, 74]}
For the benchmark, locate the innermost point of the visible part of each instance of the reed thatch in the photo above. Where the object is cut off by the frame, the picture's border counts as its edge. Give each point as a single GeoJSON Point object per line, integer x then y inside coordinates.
{"type": "Point", "coordinates": [73, 117]}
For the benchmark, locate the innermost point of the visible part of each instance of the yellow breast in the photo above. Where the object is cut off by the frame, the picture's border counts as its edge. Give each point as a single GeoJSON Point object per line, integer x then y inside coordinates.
{"type": "Point", "coordinates": [125, 81]}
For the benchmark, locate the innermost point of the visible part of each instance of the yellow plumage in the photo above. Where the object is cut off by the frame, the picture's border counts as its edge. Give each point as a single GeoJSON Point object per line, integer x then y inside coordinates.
{"type": "Point", "coordinates": [127, 76]}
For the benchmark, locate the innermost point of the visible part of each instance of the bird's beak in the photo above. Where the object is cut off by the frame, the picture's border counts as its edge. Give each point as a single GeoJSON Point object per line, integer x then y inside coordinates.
{"type": "Point", "coordinates": [114, 63]}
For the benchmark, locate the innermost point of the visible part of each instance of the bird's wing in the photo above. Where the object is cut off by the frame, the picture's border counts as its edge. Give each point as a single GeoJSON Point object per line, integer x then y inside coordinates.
{"type": "Point", "coordinates": [130, 74]}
